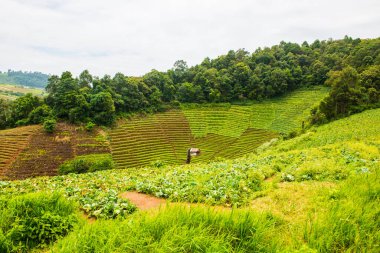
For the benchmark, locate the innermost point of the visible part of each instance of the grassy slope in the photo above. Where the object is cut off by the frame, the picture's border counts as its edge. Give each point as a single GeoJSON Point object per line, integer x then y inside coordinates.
{"type": "Point", "coordinates": [10, 91]}
{"type": "Point", "coordinates": [308, 194]}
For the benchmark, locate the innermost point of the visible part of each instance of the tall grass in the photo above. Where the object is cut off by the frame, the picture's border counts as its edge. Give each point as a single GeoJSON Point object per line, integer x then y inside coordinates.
{"type": "Point", "coordinates": [178, 229]}
{"type": "Point", "coordinates": [352, 222]}
{"type": "Point", "coordinates": [34, 220]}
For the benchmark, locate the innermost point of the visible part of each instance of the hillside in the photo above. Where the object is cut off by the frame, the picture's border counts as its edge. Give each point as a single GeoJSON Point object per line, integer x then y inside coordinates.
{"type": "Point", "coordinates": [29, 151]}
{"type": "Point", "coordinates": [219, 130]}
{"type": "Point", "coordinates": [298, 197]}
{"type": "Point", "coordinates": [11, 92]}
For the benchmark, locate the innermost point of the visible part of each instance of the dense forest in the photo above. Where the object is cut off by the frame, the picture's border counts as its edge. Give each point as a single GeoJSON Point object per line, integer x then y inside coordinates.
{"type": "Point", "coordinates": [351, 67]}
{"type": "Point", "coordinates": [30, 79]}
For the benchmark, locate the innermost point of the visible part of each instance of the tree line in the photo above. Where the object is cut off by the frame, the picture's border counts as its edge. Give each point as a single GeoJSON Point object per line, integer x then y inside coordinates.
{"type": "Point", "coordinates": [351, 67]}
{"type": "Point", "coordinates": [25, 78]}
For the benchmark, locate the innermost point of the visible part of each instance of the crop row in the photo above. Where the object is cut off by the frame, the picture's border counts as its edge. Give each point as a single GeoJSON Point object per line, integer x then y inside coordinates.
{"type": "Point", "coordinates": [12, 142]}
{"type": "Point", "coordinates": [283, 114]}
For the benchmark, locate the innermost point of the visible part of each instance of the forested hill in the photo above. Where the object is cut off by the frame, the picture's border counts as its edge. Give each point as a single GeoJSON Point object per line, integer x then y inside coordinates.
{"type": "Point", "coordinates": [350, 67]}
{"type": "Point", "coordinates": [31, 79]}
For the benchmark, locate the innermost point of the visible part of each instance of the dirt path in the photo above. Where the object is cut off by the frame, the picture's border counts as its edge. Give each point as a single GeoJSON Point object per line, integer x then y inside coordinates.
{"type": "Point", "coordinates": [143, 201]}
{"type": "Point", "coordinates": [146, 202]}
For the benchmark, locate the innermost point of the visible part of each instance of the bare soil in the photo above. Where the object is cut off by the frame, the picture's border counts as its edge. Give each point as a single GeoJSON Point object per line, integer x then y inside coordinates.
{"type": "Point", "coordinates": [143, 201]}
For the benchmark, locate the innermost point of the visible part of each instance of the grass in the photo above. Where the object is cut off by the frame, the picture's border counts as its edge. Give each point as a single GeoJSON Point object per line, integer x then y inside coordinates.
{"type": "Point", "coordinates": [178, 229]}
{"type": "Point", "coordinates": [34, 220]}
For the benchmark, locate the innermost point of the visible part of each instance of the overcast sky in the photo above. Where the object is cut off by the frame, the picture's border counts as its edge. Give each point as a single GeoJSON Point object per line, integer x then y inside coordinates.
{"type": "Point", "coordinates": [135, 36]}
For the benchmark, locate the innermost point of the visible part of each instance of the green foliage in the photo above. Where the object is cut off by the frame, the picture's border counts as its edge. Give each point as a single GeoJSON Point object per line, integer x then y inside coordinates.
{"type": "Point", "coordinates": [90, 126]}
{"type": "Point", "coordinates": [39, 114]}
{"type": "Point", "coordinates": [34, 220]}
{"type": "Point", "coordinates": [103, 109]}
{"type": "Point", "coordinates": [87, 163]}
{"type": "Point", "coordinates": [49, 125]}
{"type": "Point", "coordinates": [107, 205]}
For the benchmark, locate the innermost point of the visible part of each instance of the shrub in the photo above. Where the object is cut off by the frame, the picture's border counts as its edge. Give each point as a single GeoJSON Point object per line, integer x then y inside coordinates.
{"type": "Point", "coordinates": [34, 221]}
{"type": "Point", "coordinates": [87, 163]}
{"type": "Point", "coordinates": [39, 114]}
{"type": "Point", "coordinates": [49, 125]}
{"type": "Point", "coordinates": [90, 126]}
{"type": "Point", "coordinates": [22, 122]}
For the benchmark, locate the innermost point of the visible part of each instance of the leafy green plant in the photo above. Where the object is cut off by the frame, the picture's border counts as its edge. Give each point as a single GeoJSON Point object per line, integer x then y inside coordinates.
{"type": "Point", "coordinates": [90, 126]}
{"type": "Point", "coordinates": [49, 125]}
{"type": "Point", "coordinates": [106, 205]}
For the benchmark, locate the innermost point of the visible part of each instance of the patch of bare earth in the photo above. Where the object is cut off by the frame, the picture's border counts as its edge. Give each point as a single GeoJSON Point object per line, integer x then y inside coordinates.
{"type": "Point", "coordinates": [143, 201]}
{"type": "Point", "coordinates": [147, 202]}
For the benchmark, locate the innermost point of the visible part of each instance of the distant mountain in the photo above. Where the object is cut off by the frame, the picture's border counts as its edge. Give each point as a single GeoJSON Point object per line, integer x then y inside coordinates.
{"type": "Point", "coordinates": [31, 79]}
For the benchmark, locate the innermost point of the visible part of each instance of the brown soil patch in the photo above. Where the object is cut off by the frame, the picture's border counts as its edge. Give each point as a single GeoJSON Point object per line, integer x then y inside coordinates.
{"type": "Point", "coordinates": [146, 202]}
{"type": "Point", "coordinates": [143, 201]}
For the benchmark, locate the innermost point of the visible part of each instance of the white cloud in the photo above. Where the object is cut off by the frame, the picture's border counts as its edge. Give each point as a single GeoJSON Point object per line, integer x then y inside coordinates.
{"type": "Point", "coordinates": [135, 36]}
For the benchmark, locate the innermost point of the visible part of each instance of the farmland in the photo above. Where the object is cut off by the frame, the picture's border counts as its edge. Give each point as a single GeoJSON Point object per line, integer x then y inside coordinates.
{"type": "Point", "coordinates": [12, 142]}
{"type": "Point", "coordinates": [219, 130]}
{"type": "Point", "coordinates": [295, 196]}
{"type": "Point", "coordinates": [11, 91]}
{"type": "Point", "coordinates": [28, 151]}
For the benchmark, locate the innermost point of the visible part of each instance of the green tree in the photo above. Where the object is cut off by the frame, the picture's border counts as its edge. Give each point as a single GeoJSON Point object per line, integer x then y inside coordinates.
{"type": "Point", "coordinates": [102, 108]}
{"type": "Point", "coordinates": [39, 114]}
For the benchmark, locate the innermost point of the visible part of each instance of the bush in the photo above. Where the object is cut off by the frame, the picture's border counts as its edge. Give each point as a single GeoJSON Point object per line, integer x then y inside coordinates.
{"type": "Point", "coordinates": [49, 125]}
{"type": "Point", "coordinates": [39, 114]}
{"type": "Point", "coordinates": [90, 126]}
{"type": "Point", "coordinates": [87, 163]}
{"type": "Point", "coordinates": [34, 221]}
{"type": "Point", "coordinates": [22, 122]}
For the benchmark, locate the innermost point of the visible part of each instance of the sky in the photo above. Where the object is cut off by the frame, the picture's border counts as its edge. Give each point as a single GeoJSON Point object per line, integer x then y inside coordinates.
{"type": "Point", "coordinates": [136, 36]}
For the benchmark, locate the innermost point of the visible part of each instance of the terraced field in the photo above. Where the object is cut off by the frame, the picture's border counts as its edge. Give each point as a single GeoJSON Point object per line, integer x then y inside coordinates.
{"type": "Point", "coordinates": [219, 130]}
{"type": "Point", "coordinates": [164, 137]}
{"type": "Point", "coordinates": [29, 151]}
{"type": "Point", "coordinates": [12, 142]}
{"type": "Point", "coordinates": [281, 115]}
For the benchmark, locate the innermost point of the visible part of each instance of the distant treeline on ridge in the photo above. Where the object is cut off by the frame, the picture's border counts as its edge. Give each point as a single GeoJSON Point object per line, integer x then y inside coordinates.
{"type": "Point", "coordinates": [24, 78]}
{"type": "Point", "coordinates": [351, 67]}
